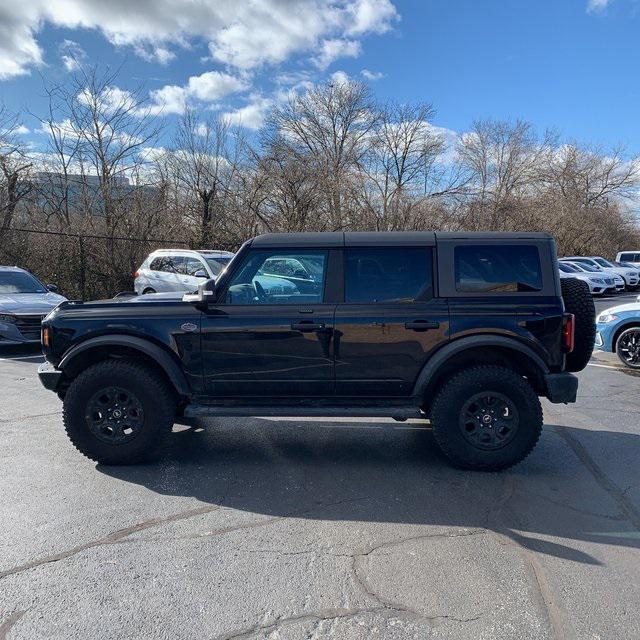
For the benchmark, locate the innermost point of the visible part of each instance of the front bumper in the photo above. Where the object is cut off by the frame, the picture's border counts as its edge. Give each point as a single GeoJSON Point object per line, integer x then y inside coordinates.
{"type": "Point", "coordinates": [11, 334]}
{"type": "Point", "coordinates": [49, 376]}
{"type": "Point", "coordinates": [561, 387]}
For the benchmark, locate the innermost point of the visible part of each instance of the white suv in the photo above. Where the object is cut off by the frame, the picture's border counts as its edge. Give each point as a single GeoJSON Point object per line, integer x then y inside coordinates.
{"type": "Point", "coordinates": [179, 270]}
{"type": "Point", "coordinates": [632, 257]}
{"type": "Point", "coordinates": [630, 276]}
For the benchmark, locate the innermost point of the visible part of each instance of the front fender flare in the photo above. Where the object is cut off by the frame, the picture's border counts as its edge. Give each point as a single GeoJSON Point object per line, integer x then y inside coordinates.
{"type": "Point", "coordinates": [162, 358]}
{"type": "Point", "coordinates": [461, 344]}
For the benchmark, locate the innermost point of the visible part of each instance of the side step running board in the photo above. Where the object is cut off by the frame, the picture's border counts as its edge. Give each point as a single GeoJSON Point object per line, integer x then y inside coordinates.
{"type": "Point", "coordinates": [285, 411]}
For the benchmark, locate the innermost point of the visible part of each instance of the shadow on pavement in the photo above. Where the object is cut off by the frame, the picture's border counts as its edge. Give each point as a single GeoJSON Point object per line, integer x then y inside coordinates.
{"type": "Point", "coordinates": [21, 352]}
{"type": "Point", "coordinates": [328, 470]}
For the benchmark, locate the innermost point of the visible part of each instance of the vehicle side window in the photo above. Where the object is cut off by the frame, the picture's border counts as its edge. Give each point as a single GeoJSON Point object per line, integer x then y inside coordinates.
{"type": "Point", "coordinates": [497, 268]}
{"type": "Point", "coordinates": [192, 266]}
{"type": "Point", "coordinates": [168, 264]}
{"type": "Point", "coordinates": [276, 277]}
{"type": "Point", "coordinates": [388, 274]}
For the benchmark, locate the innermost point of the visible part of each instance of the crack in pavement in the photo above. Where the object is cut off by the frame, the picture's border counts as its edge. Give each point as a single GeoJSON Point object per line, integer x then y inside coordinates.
{"type": "Point", "coordinates": [112, 538]}
{"type": "Point", "coordinates": [561, 628]}
{"type": "Point", "coordinates": [359, 578]}
{"type": "Point", "coordinates": [36, 415]}
{"type": "Point", "coordinates": [323, 614]}
{"type": "Point", "coordinates": [7, 625]}
{"type": "Point", "coordinates": [626, 506]}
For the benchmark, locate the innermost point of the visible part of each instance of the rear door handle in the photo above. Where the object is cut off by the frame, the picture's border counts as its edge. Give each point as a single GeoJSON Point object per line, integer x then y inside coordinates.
{"type": "Point", "coordinates": [307, 325]}
{"type": "Point", "coordinates": [421, 325]}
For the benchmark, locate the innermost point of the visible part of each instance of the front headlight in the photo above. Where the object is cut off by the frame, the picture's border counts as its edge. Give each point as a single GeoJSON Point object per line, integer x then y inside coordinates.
{"type": "Point", "coordinates": [605, 317]}
{"type": "Point", "coordinates": [7, 318]}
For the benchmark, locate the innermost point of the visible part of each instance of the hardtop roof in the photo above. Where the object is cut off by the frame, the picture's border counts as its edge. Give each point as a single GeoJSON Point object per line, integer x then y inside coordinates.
{"type": "Point", "coordinates": [382, 238]}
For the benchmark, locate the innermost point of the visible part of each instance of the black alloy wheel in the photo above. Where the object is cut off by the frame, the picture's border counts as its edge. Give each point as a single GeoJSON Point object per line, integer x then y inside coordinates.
{"type": "Point", "coordinates": [489, 420]}
{"type": "Point", "coordinates": [115, 415]}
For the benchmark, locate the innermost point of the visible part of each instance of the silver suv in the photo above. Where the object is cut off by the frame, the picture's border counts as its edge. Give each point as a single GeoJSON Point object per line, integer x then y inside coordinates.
{"type": "Point", "coordinates": [24, 301]}
{"type": "Point", "coordinates": [179, 270]}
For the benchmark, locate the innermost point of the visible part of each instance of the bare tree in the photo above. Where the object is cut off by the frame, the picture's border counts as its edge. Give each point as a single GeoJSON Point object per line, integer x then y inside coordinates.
{"type": "Point", "coordinates": [204, 161]}
{"type": "Point", "coordinates": [327, 129]}
{"type": "Point", "coordinates": [14, 167]}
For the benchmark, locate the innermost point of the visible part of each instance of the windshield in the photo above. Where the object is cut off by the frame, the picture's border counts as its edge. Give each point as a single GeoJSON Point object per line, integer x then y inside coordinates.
{"type": "Point", "coordinates": [19, 282]}
{"type": "Point", "coordinates": [567, 268]}
{"type": "Point", "coordinates": [603, 263]}
{"type": "Point", "coordinates": [218, 264]}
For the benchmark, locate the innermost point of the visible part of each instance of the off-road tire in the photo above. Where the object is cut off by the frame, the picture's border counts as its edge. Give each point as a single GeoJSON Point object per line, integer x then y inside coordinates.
{"type": "Point", "coordinates": [157, 400]}
{"type": "Point", "coordinates": [579, 301]}
{"type": "Point", "coordinates": [447, 412]}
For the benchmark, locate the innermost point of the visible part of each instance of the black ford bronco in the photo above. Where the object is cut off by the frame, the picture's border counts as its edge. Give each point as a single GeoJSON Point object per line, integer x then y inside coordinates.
{"type": "Point", "coordinates": [465, 330]}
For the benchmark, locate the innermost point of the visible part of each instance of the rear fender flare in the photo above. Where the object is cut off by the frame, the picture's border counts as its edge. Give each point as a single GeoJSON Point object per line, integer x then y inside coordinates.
{"type": "Point", "coordinates": [461, 344]}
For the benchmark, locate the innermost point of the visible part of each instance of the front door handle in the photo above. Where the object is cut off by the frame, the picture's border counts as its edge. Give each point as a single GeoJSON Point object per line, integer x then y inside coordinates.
{"type": "Point", "coordinates": [421, 325]}
{"type": "Point", "coordinates": [307, 325]}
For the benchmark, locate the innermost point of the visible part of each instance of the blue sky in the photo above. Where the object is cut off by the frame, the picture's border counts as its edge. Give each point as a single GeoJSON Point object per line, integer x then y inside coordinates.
{"type": "Point", "coordinates": [567, 64]}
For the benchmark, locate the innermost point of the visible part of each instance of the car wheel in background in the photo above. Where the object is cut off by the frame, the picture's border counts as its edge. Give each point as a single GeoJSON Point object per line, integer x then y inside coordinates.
{"type": "Point", "coordinates": [486, 418]}
{"type": "Point", "coordinates": [579, 301]}
{"type": "Point", "coordinates": [148, 290]}
{"type": "Point", "coordinates": [628, 347]}
{"type": "Point", "coordinates": [118, 412]}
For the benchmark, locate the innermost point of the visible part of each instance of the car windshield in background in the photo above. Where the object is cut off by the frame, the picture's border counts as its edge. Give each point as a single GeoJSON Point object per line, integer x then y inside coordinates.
{"type": "Point", "coordinates": [603, 263]}
{"type": "Point", "coordinates": [19, 282]}
{"type": "Point", "coordinates": [568, 268]}
{"type": "Point", "coordinates": [217, 264]}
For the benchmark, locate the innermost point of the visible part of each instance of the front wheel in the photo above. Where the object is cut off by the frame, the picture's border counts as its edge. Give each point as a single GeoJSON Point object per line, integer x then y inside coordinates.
{"type": "Point", "coordinates": [118, 412]}
{"type": "Point", "coordinates": [628, 347]}
{"type": "Point", "coordinates": [486, 418]}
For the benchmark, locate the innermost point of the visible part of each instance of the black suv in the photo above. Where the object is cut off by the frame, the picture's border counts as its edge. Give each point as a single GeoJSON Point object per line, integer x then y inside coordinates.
{"type": "Point", "coordinates": [465, 330]}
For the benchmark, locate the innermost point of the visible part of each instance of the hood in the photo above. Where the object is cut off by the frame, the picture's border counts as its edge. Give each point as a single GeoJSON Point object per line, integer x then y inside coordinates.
{"type": "Point", "coordinates": [28, 303]}
{"type": "Point", "coordinates": [622, 308]}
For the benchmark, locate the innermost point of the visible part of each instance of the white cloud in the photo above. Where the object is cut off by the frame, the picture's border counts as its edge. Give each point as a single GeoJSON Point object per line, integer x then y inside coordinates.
{"type": "Point", "coordinates": [597, 5]}
{"type": "Point", "coordinates": [71, 54]}
{"type": "Point", "coordinates": [339, 77]}
{"type": "Point", "coordinates": [371, 16]}
{"type": "Point", "coordinates": [243, 34]}
{"type": "Point", "coordinates": [372, 75]}
{"type": "Point", "coordinates": [335, 48]}
{"type": "Point", "coordinates": [253, 114]}
{"type": "Point", "coordinates": [207, 87]}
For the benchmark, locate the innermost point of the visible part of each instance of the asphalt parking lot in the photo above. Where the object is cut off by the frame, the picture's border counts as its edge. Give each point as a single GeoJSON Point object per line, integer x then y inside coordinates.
{"type": "Point", "coordinates": [352, 529]}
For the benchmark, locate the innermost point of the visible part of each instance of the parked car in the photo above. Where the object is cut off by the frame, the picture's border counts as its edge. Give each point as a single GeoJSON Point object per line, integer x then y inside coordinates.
{"type": "Point", "coordinates": [629, 256]}
{"type": "Point", "coordinates": [598, 284]}
{"type": "Point", "coordinates": [178, 270]}
{"type": "Point", "coordinates": [467, 330]}
{"type": "Point", "coordinates": [24, 301]}
{"type": "Point", "coordinates": [609, 279]}
{"type": "Point", "coordinates": [618, 331]}
{"type": "Point", "coordinates": [630, 276]}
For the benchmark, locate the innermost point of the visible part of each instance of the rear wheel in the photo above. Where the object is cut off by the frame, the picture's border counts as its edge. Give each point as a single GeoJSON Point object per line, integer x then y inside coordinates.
{"type": "Point", "coordinates": [148, 290]}
{"type": "Point", "coordinates": [486, 418]}
{"type": "Point", "coordinates": [628, 347]}
{"type": "Point", "coordinates": [118, 412]}
{"type": "Point", "coordinates": [578, 301]}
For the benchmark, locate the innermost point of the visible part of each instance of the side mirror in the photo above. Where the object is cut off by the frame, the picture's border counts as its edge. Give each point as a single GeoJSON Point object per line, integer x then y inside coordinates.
{"type": "Point", "coordinates": [206, 293]}
{"type": "Point", "coordinates": [52, 287]}
{"type": "Point", "coordinates": [201, 273]}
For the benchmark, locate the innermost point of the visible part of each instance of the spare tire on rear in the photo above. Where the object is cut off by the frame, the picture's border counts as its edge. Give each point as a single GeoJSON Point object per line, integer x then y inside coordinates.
{"type": "Point", "coordinates": [578, 300]}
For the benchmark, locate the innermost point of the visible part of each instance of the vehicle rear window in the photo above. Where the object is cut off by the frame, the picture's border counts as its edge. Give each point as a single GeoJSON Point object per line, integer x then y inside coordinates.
{"type": "Point", "coordinates": [630, 257]}
{"type": "Point", "coordinates": [388, 274]}
{"type": "Point", "coordinates": [497, 268]}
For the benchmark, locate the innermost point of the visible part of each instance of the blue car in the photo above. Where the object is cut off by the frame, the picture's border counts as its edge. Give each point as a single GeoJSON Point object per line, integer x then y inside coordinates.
{"type": "Point", "coordinates": [24, 301]}
{"type": "Point", "coordinates": [618, 331]}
